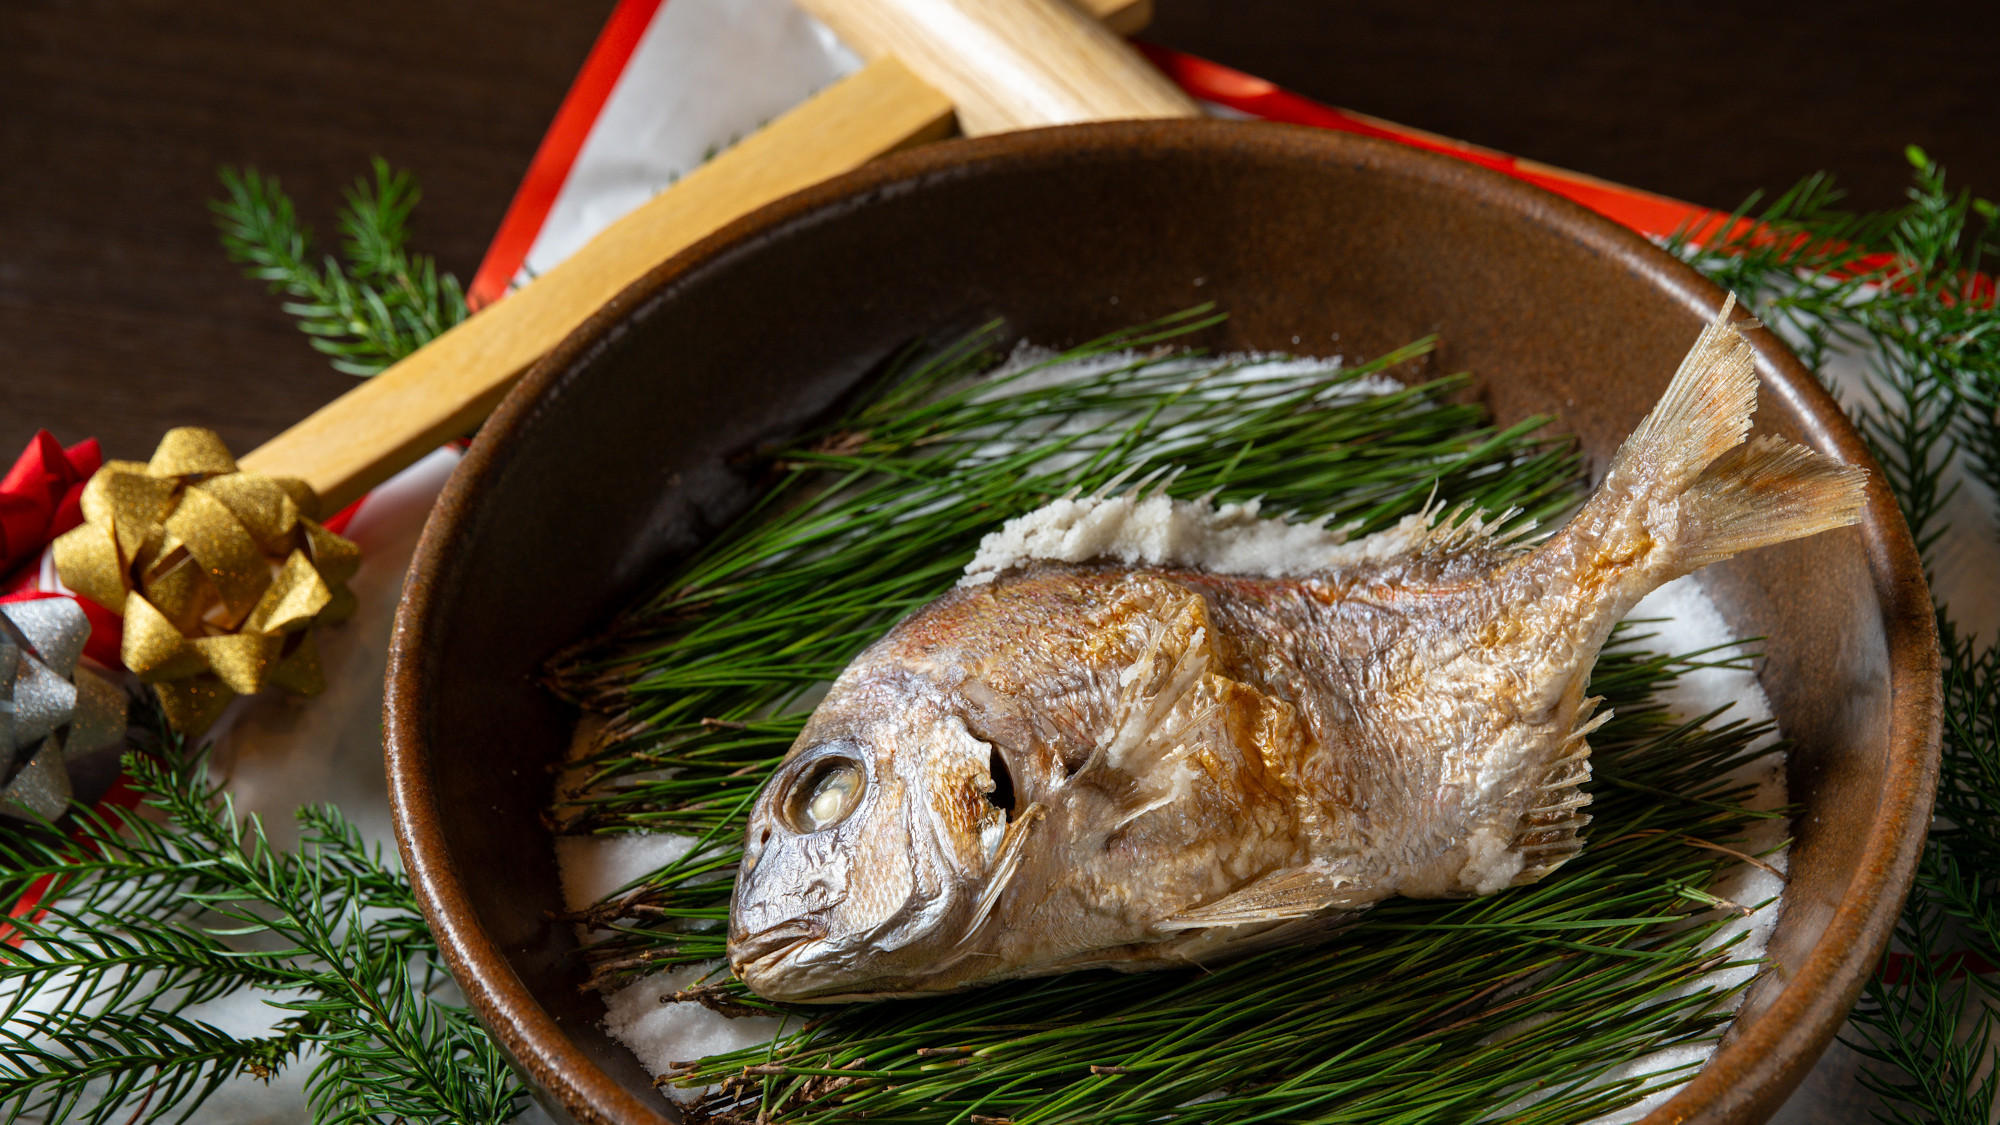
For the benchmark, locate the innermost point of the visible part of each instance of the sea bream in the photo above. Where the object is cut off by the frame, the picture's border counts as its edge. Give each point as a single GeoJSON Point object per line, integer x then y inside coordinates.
{"type": "Point", "coordinates": [1134, 750]}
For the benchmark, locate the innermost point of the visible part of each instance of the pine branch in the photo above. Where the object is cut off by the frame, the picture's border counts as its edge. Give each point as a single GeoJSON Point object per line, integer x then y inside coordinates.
{"type": "Point", "coordinates": [1906, 288]}
{"type": "Point", "coordinates": [1533, 997]}
{"type": "Point", "coordinates": [117, 1066]}
{"type": "Point", "coordinates": [1812, 272]}
{"type": "Point", "coordinates": [366, 314]}
{"type": "Point", "coordinates": [142, 928]}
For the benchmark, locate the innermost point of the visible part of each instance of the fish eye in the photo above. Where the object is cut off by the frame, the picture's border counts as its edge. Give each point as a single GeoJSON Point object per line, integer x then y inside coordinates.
{"type": "Point", "coordinates": [824, 795]}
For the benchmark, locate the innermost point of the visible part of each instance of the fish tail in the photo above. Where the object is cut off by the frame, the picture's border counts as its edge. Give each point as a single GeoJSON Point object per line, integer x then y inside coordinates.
{"type": "Point", "coordinates": [1766, 492]}
{"type": "Point", "coordinates": [1686, 490]}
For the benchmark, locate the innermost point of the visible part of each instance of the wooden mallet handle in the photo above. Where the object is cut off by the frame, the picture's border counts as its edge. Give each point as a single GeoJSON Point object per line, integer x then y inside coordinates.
{"type": "Point", "coordinates": [1015, 62]}
{"type": "Point", "coordinates": [1009, 64]}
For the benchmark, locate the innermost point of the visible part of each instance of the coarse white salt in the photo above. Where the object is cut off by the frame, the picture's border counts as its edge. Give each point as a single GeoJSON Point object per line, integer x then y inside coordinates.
{"type": "Point", "coordinates": [1233, 539]}
{"type": "Point", "coordinates": [662, 1031]}
{"type": "Point", "coordinates": [1160, 531]}
{"type": "Point", "coordinates": [1689, 622]}
{"type": "Point", "coordinates": [595, 867]}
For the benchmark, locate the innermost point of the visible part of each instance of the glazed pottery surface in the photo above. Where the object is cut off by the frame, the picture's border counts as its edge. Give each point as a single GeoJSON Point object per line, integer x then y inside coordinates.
{"type": "Point", "coordinates": [623, 450]}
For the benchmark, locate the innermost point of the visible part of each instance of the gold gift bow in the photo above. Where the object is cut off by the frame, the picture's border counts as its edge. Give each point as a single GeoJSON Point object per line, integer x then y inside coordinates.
{"type": "Point", "coordinates": [219, 574]}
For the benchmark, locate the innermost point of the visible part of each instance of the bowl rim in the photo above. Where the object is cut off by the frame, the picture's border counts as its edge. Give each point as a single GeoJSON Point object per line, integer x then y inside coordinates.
{"type": "Point", "coordinates": [1747, 1077]}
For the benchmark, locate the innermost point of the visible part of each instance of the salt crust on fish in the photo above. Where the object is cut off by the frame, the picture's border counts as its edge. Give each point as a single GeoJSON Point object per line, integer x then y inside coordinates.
{"type": "Point", "coordinates": [1159, 531]}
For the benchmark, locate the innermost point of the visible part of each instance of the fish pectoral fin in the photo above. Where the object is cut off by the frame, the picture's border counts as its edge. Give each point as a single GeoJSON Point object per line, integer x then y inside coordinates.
{"type": "Point", "coordinates": [1282, 896]}
{"type": "Point", "coordinates": [1159, 701]}
{"type": "Point", "coordinates": [1006, 864]}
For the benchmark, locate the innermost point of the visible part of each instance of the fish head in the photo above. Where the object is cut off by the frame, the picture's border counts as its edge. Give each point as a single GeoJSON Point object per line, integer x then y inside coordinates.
{"type": "Point", "coordinates": [868, 849]}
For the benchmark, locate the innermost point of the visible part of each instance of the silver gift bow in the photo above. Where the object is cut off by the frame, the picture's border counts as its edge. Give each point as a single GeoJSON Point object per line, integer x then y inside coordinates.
{"type": "Point", "coordinates": [52, 712]}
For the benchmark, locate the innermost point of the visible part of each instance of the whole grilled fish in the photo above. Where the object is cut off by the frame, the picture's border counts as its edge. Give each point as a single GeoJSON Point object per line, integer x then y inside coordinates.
{"type": "Point", "coordinates": [1101, 764]}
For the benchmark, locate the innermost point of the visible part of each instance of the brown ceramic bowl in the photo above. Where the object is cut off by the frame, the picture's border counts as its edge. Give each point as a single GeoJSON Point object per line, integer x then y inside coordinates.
{"type": "Point", "coordinates": [612, 457]}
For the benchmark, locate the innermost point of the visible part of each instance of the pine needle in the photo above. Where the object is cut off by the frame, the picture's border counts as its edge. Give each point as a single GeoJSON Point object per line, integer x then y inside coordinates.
{"type": "Point", "coordinates": [1911, 290]}
{"type": "Point", "coordinates": [365, 313]}
{"type": "Point", "coordinates": [1423, 1011]}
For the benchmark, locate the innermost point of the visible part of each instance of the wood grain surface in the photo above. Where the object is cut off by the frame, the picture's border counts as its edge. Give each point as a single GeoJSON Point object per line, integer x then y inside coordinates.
{"type": "Point", "coordinates": [120, 317]}
{"type": "Point", "coordinates": [448, 387]}
{"type": "Point", "coordinates": [1009, 64]}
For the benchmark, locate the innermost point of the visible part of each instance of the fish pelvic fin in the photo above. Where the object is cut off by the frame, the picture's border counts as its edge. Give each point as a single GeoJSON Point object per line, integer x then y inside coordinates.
{"type": "Point", "coordinates": [1282, 896]}
{"type": "Point", "coordinates": [1684, 490]}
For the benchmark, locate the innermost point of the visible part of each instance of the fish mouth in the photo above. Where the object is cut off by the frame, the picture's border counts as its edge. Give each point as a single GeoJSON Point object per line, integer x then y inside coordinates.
{"type": "Point", "coordinates": [767, 947]}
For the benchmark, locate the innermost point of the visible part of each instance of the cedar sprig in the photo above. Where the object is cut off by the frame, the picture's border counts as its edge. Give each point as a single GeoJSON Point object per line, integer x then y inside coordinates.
{"type": "Point", "coordinates": [187, 901]}
{"type": "Point", "coordinates": [1909, 289]}
{"type": "Point", "coordinates": [365, 310]}
{"type": "Point", "coordinates": [1906, 288]}
{"type": "Point", "coordinates": [146, 1055]}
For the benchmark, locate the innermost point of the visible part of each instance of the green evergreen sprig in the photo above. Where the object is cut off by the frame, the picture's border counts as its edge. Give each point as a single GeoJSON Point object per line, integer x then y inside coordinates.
{"type": "Point", "coordinates": [1527, 1002]}
{"type": "Point", "coordinates": [1908, 289]}
{"type": "Point", "coordinates": [185, 901]}
{"type": "Point", "coordinates": [365, 312]}
{"type": "Point", "coordinates": [1534, 997]}
{"type": "Point", "coordinates": [92, 1006]}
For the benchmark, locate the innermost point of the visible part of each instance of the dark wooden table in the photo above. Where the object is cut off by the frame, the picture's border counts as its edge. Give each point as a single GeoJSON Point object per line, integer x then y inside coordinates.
{"type": "Point", "coordinates": [120, 317]}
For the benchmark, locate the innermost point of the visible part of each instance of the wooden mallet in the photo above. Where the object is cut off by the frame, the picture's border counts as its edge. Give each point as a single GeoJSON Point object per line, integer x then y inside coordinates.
{"type": "Point", "coordinates": [982, 65]}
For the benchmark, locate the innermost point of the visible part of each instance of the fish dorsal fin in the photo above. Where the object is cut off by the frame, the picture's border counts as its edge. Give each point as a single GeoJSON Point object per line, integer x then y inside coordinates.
{"type": "Point", "coordinates": [1282, 896]}
{"type": "Point", "coordinates": [1437, 536]}
{"type": "Point", "coordinates": [1465, 528]}
{"type": "Point", "coordinates": [1550, 831]}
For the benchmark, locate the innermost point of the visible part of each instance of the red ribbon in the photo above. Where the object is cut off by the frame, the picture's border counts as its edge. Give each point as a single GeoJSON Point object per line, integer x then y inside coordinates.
{"type": "Point", "coordinates": [39, 501]}
{"type": "Point", "coordinates": [38, 496]}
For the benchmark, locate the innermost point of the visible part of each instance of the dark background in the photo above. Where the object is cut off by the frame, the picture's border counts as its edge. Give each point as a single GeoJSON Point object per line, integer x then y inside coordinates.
{"type": "Point", "coordinates": [119, 315]}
